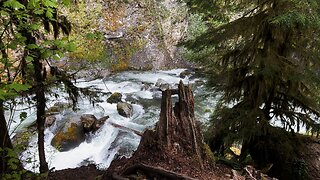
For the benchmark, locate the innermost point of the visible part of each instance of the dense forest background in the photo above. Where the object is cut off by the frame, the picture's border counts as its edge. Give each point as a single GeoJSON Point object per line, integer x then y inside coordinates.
{"type": "Point", "coordinates": [261, 57]}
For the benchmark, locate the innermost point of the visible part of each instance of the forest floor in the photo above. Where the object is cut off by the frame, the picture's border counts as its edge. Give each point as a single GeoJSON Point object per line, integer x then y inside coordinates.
{"type": "Point", "coordinates": [218, 171]}
{"type": "Point", "coordinates": [92, 173]}
{"type": "Point", "coordinates": [81, 173]}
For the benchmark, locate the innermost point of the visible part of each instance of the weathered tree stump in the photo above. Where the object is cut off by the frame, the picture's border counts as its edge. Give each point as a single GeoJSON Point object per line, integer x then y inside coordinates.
{"type": "Point", "coordinates": [175, 149]}
{"type": "Point", "coordinates": [177, 128]}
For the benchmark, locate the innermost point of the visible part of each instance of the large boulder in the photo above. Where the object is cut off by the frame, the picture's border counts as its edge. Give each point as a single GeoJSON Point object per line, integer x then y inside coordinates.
{"type": "Point", "coordinates": [125, 109]}
{"type": "Point", "coordinates": [88, 121]}
{"type": "Point", "coordinates": [69, 136]}
{"type": "Point", "coordinates": [114, 98]}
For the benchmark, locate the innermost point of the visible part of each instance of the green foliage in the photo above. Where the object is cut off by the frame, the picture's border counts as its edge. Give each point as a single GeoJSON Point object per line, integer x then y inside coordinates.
{"type": "Point", "coordinates": [11, 90]}
{"type": "Point", "coordinates": [14, 4]}
{"type": "Point", "coordinates": [13, 162]}
{"type": "Point", "coordinates": [197, 26]}
{"type": "Point", "coordinates": [265, 63]}
{"type": "Point", "coordinates": [269, 69]}
{"type": "Point", "coordinates": [29, 35]}
{"type": "Point", "coordinates": [88, 39]}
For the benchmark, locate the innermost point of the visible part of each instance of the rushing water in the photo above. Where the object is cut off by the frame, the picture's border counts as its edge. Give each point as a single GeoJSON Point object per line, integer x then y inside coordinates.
{"type": "Point", "coordinates": [108, 142]}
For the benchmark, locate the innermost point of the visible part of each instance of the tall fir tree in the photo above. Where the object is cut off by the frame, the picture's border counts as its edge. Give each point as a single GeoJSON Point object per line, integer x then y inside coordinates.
{"type": "Point", "coordinates": [265, 63]}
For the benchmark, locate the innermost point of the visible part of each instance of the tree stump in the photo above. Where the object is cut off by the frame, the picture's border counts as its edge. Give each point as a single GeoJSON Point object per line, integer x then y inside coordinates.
{"type": "Point", "coordinates": [177, 128]}
{"type": "Point", "coordinates": [175, 149]}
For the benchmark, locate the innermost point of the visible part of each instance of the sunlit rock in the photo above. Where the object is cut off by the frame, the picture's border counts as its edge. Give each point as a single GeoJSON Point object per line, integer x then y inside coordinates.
{"type": "Point", "coordinates": [114, 98]}
{"type": "Point", "coordinates": [69, 136]}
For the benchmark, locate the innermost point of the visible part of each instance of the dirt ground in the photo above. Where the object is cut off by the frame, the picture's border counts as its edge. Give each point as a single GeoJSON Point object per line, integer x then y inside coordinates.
{"type": "Point", "coordinates": [92, 173]}
{"type": "Point", "coordinates": [82, 173]}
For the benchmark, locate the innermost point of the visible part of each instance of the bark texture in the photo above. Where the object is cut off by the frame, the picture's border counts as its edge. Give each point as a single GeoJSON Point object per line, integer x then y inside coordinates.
{"type": "Point", "coordinates": [177, 128]}
{"type": "Point", "coordinates": [41, 105]}
{"type": "Point", "coordinates": [5, 141]}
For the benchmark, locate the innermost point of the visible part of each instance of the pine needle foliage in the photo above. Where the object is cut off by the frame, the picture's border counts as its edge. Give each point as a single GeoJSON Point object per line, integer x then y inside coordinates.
{"type": "Point", "coordinates": [265, 63]}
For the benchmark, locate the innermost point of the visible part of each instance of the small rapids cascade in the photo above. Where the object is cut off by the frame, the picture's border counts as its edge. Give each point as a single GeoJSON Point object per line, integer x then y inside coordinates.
{"type": "Point", "coordinates": [119, 135]}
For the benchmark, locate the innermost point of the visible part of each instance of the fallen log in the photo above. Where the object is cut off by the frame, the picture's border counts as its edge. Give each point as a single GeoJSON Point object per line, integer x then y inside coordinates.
{"type": "Point", "coordinates": [156, 171]}
{"type": "Point", "coordinates": [126, 128]}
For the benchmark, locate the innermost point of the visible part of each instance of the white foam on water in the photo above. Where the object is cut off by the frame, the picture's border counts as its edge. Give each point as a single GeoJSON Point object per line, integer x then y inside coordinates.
{"type": "Point", "coordinates": [105, 144]}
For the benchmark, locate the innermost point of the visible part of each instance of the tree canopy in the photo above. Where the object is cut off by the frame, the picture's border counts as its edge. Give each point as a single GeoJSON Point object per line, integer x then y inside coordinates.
{"type": "Point", "coordinates": [264, 60]}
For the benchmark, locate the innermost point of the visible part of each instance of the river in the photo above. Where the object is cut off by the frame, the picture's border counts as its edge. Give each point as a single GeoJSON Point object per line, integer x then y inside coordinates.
{"type": "Point", "coordinates": [109, 142]}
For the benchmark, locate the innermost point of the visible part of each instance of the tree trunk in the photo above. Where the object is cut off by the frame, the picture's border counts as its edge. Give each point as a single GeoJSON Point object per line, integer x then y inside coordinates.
{"type": "Point", "coordinates": [41, 105]}
{"type": "Point", "coordinates": [5, 141]}
{"type": "Point", "coordinates": [39, 90]}
{"type": "Point", "coordinates": [40, 98]}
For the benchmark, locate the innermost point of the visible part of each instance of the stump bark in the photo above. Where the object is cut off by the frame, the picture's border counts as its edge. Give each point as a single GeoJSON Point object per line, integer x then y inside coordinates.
{"type": "Point", "coordinates": [175, 147]}
{"type": "Point", "coordinates": [177, 128]}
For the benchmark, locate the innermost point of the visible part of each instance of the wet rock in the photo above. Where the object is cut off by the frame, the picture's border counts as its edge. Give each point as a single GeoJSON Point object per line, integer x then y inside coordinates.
{"type": "Point", "coordinates": [160, 81]}
{"type": "Point", "coordinates": [164, 87]}
{"type": "Point", "coordinates": [114, 98]}
{"type": "Point", "coordinates": [185, 73]}
{"type": "Point", "coordinates": [53, 110]}
{"type": "Point", "coordinates": [125, 109]}
{"type": "Point", "coordinates": [50, 120]}
{"type": "Point", "coordinates": [69, 136]}
{"type": "Point", "coordinates": [88, 121]}
{"type": "Point", "coordinates": [103, 119]}
{"type": "Point", "coordinates": [146, 86]}
{"type": "Point", "coordinates": [57, 108]}
{"type": "Point", "coordinates": [162, 84]}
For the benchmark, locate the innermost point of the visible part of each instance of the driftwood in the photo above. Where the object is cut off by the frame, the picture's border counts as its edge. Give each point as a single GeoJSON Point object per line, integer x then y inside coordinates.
{"type": "Point", "coordinates": [126, 128]}
{"type": "Point", "coordinates": [156, 170]}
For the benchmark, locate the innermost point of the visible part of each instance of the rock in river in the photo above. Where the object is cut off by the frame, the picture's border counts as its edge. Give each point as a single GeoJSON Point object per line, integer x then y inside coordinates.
{"type": "Point", "coordinates": [114, 98]}
{"type": "Point", "coordinates": [125, 109]}
{"type": "Point", "coordinates": [69, 136]}
{"type": "Point", "coordinates": [88, 121]}
{"type": "Point", "coordinates": [50, 120]}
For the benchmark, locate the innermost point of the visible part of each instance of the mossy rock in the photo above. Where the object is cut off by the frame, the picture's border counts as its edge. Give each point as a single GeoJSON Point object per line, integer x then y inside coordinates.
{"type": "Point", "coordinates": [68, 137]}
{"type": "Point", "coordinates": [114, 98]}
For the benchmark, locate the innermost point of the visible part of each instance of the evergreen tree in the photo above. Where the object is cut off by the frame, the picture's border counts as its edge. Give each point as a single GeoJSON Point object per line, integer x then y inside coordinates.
{"type": "Point", "coordinates": [26, 27]}
{"type": "Point", "coordinates": [265, 63]}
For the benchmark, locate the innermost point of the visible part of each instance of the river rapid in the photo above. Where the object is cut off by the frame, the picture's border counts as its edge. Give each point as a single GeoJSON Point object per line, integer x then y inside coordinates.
{"type": "Point", "coordinates": [109, 142]}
